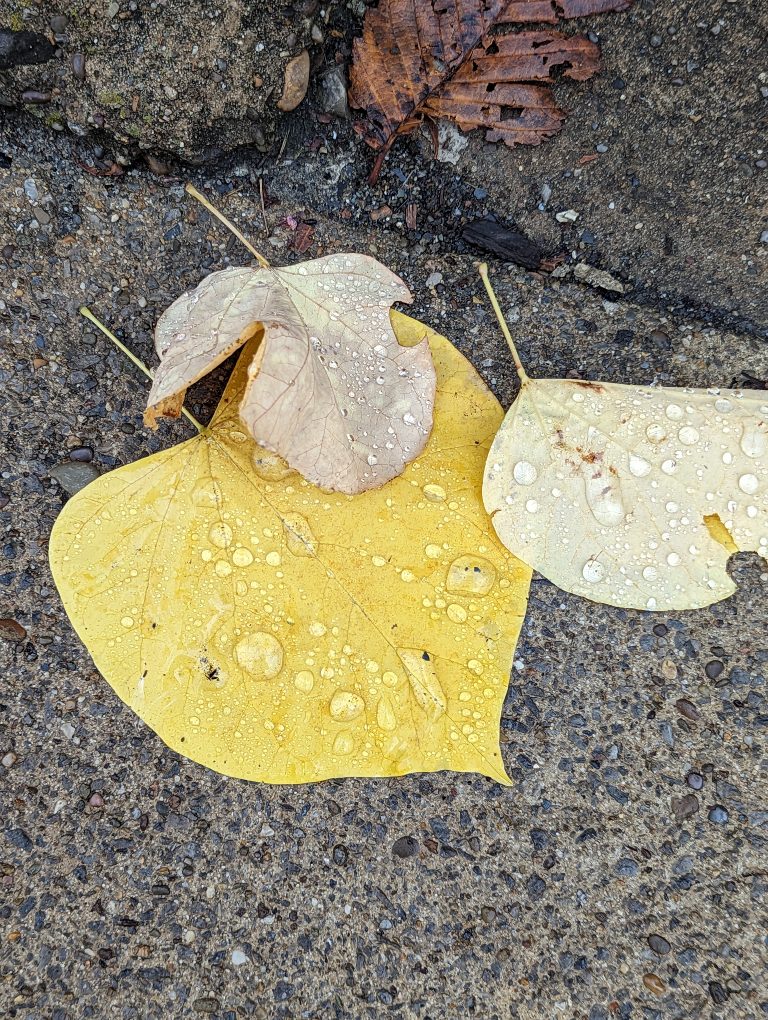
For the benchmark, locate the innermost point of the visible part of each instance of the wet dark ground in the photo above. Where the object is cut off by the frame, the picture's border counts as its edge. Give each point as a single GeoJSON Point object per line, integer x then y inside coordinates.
{"type": "Point", "coordinates": [625, 874]}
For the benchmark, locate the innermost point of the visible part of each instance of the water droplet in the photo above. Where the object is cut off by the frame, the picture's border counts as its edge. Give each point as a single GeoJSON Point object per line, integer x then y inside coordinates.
{"type": "Point", "coordinates": [378, 561]}
{"type": "Point", "coordinates": [577, 397]}
{"type": "Point", "coordinates": [434, 552]}
{"type": "Point", "coordinates": [220, 535]}
{"type": "Point", "coordinates": [345, 706]}
{"type": "Point", "coordinates": [304, 681]}
{"type": "Point", "coordinates": [727, 457]}
{"type": "Point", "coordinates": [673, 559]}
{"type": "Point", "coordinates": [688, 435]}
{"type": "Point", "coordinates": [470, 575]}
{"type": "Point", "coordinates": [425, 685]}
{"type": "Point", "coordinates": [389, 679]}
{"type": "Point", "coordinates": [372, 459]}
{"type": "Point", "coordinates": [674, 412]}
{"type": "Point", "coordinates": [531, 506]}
{"type": "Point", "coordinates": [222, 568]}
{"type": "Point", "coordinates": [344, 743]}
{"type": "Point", "coordinates": [207, 494]}
{"type": "Point", "coordinates": [206, 555]}
{"type": "Point", "coordinates": [638, 466]}
{"type": "Point", "coordinates": [651, 603]}
{"type": "Point", "coordinates": [754, 439]}
{"type": "Point", "coordinates": [273, 559]}
{"type": "Point", "coordinates": [456, 613]}
{"type": "Point", "coordinates": [604, 499]}
{"type": "Point", "coordinates": [748, 483]}
{"type": "Point", "coordinates": [434, 493]}
{"type": "Point", "coordinates": [751, 511]}
{"type": "Point", "coordinates": [409, 419]}
{"type": "Point", "coordinates": [259, 654]}
{"type": "Point", "coordinates": [593, 571]}
{"type": "Point", "coordinates": [385, 714]}
{"type": "Point", "coordinates": [524, 473]}
{"type": "Point", "coordinates": [671, 507]}
{"type": "Point", "coordinates": [269, 466]}
{"type": "Point", "coordinates": [650, 573]}
{"type": "Point", "coordinates": [656, 433]}
{"type": "Point", "coordinates": [723, 405]}
{"type": "Point", "coordinates": [317, 629]}
{"type": "Point", "coordinates": [242, 557]}
{"type": "Point", "coordinates": [669, 467]}
{"type": "Point", "coordinates": [298, 535]}
{"type": "Point", "coordinates": [127, 622]}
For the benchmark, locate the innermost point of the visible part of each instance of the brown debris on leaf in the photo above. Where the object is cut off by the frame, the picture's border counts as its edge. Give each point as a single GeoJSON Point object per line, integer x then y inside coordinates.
{"type": "Point", "coordinates": [432, 59]}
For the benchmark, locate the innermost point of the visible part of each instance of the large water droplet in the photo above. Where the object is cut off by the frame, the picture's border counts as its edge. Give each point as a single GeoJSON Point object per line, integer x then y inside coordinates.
{"type": "Point", "coordinates": [688, 435]}
{"type": "Point", "coordinates": [298, 535]}
{"type": "Point", "coordinates": [344, 743]}
{"type": "Point", "coordinates": [242, 557]}
{"type": "Point", "coordinates": [304, 681]}
{"type": "Point", "coordinates": [673, 559]}
{"type": "Point", "coordinates": [346, 705]}
{"type": "Point", "coordinates": [723, 405]}
{"type": "Point", "coordinates": [669, 466]}
{"type": "Point", "coordinates": [207, 494]}
{"type": "Point", "coordinates": [650, 573]}
{"type": "Point", "coordinates": [524, 473]}
{"type": "Point", "coordinates": [220, 535]}
{"type": "Point", "coordinates": [269, 466]}
{"type": "Point", "coordinates": [273, 559]}
{"type": "Point", "coordinates": [674, 412]}
{"type": "Point", "coordinates": [470, 575]}
{"type": "Point", "coordinates": [593, 571]}
{"type": "Point", "coordinates": [638, 466]}
{"type": "Point", "coordinates": [259, 654]}
{"type": "Point", "coordinates": [656, 433]}
{"type": "Point", "coordinates": [456, 613]}
{"type": "Point", "coordinates": [385, 714]}
{"type": "Point", "coordinates": [604, 499]}
{"type": "Point", "coordinates": [434, 493]}
{"type": "Point", "coordinates": [748, 483]}
{"type": "Point", "coordinates": [754, 439]}
{"type": "Point", "coordinates": [426, 688]}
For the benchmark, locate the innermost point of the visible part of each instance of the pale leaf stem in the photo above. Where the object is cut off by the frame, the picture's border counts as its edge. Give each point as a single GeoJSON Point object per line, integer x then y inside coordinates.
{"type": "Point", "coordinates": [192, 190]}
{"type": "Point", "coordinates": [88, 314]}
{"type": "Point", "coordinates": [483, 270]}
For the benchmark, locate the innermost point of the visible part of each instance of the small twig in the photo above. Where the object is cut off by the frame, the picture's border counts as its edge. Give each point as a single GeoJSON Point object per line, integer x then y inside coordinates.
{"type": "Point", "coordinates": [88, 314]}
{"type": "Point", "coordinates": [263, 209]}
{"type": "Point", "coordinates": [483, 270]}
{"type": "Point", "coordinates": [192, 190]}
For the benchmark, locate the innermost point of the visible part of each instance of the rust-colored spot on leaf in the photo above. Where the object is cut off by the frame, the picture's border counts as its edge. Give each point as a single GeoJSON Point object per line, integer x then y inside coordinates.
{"type": "Point", "coordinates": [422, 59]}
{"type": "Point", "coordinates": [720, 533]}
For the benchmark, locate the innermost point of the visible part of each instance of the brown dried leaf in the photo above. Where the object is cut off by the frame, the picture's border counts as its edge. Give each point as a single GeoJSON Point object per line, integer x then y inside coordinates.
{"type": "Point", "coordinates": [330, 388]}
{"type": "Point", "coordinates": [434, 58]}
{"type": "Point", "coordinates": [296, 82]}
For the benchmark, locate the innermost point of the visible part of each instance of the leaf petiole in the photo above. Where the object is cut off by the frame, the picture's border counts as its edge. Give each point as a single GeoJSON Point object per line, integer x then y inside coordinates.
{"type": "Point", "coordinates": [88, 314]}
{"type": "Point", "coordinates": [483, 270]}
{"type": "Point", "coordinates": [192, 190]}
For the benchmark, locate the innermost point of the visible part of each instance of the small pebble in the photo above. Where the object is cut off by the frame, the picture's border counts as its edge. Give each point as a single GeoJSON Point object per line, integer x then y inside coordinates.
{"type": "Point", "coordinates": [406, 846]}
{"type": "Point", "coordinates": [714, 668]}
{"type": "Point", "coordinates": [73, 477]}
{"type": "Point", "coordinates": [659, 944]}
{"type": "Point", "coordinates": [687, 709]}
{"type": "Point", "coordinates": [654, 984]}
{"type": "Point", "coordinates": [10, 630]}
{"type": "Point", "coordinates": [9, 759]}
{"type": "Point", "coordinates": [33, 97]}
{"type": "Point", "coordinates": [84, 454]}
{"type": "Point", "coordinates": [694, 780]}
{"type": "Point", "coordinates": [718, 815]}
{"type": "Point", "coordinates": [78, 66]}
{"type": "Point", "coordinates": [239, 958]}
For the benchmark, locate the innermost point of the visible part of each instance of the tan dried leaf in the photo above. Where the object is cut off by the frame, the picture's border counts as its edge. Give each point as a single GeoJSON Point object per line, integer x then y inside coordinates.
{"type": "Point", "coordinates": [330, 388]}
{"type": "Point", "coordinates": [296, 82]}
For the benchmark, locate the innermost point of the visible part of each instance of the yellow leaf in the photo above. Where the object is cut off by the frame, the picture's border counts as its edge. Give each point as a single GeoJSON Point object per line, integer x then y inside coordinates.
{"type": "Point", "coordinates": [635, 496]}
{"type": "Point", "coordinates": [274, 631]}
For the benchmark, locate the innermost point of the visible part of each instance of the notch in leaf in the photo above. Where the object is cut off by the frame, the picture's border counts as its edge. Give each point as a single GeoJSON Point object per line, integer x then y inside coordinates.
{"type": "Point", "coordinates": [635, 496]}
{"type": "Point", "coordinates": [329, 388]}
